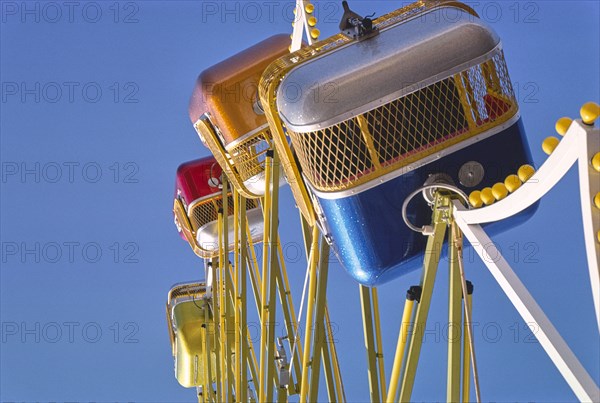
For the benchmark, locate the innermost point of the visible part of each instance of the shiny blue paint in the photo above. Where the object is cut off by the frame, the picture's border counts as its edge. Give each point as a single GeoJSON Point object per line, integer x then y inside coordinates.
{"type": "Point", "coordinates": [369, 236]}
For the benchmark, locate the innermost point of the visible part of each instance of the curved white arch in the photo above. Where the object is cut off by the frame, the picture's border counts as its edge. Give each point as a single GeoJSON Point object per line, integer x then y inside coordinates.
{"type": "Point", "coordinates": [552, 171]}
{"type": "Point", "coordinates": [580, 143]}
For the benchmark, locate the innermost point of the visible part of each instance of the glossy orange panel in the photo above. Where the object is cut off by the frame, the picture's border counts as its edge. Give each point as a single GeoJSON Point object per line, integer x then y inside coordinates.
{"type": "Point", "coordinates": [229, 89]}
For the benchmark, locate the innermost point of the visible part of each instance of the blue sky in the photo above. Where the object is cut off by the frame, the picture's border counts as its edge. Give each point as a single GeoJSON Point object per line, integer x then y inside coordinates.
{"type": "Point", "coordinates": [93, 125]}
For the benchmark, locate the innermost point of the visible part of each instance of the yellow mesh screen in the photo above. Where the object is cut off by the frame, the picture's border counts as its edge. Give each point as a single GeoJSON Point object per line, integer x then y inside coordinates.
{"type": "Point", "coordinates": [208, 210]}
{"type": "Point", "coordinates": [248, 155]}
{"type": "Point", "coordinates": [187, 290]}
{"type": "Point", "coordinates": [408, 129]}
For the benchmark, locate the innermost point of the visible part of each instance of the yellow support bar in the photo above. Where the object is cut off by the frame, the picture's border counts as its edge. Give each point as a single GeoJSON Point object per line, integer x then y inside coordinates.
{"type": "Point", "coordinates": [319, 330]}
{"type": "Point", "coordinates": [339, 384]}
{"type": "Point", "coordinates": [467, 107]}
{"type": "Point", "coordinates": [312, 290]}
{"type": "Point", "coordinates": [367, 319]}
{"type": "Point", "coordinates": [307, 233]}
{"type": "Point", "coordinates": [253, 361]}
{"type": "Point", "coordinates": [236, 291]}
{"type": "Point", "coordinates": [470, 96]}
{"type": "Point", "coordinates": [328, 370]}
{"type": "Point", "coordinates": [274, 267]}
{"type": "Point", "coordinates": [289, 314]}
{"type": "Point", "coordinates": [454, 323]}
{"type": "Point", "coordinates": [255, 279]}
{"type": "Point", "coordinates": [254, 272]}
{"type": "Point", "coordinates": [380, 361]}
{"type": "Point", "coordinates": [264, 316]}
{"type": "Point", "coordinates": [208, 355]}
{"type": "Point", "coordinates": [401, 346]}
{"type": "Point", "coordinates": [466, 386]}
{"type": "Point", "coordinates": [467, 288]}
{"type": "Point", "coordinates": [430, 266]}
{"type": "Point", "coordinates": [216, 316]}
{"type": "Point", "coordinates": [363, 124]}
{"type": "Point", "coordinates": [242, 392]}
{"type": "Point", "coordinates": [226, 282]}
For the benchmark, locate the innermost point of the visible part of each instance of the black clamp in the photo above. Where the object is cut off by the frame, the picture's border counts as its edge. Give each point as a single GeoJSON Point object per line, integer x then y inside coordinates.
{"type": "Point", "coordinates": [414, 293]}
{"type": "Point", "coordinates": [355, 26]}
{"type": "Point", "coordinates": [470, 288]}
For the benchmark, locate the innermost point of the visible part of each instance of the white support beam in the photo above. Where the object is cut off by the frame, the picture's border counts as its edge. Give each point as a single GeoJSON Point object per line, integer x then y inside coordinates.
{"type": "Point", "coordinates": [589, 186]}
{"type": "Point", "coordinates": [300, 26]}
{"type": "Point", "coordinates": [557, 349]}
{"type": "Point", "coordinates": [580, 142]}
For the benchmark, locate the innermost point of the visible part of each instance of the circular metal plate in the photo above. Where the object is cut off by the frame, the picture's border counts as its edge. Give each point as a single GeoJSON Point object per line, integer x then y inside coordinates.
{"type": "Point", "coordinates": [471, 174]}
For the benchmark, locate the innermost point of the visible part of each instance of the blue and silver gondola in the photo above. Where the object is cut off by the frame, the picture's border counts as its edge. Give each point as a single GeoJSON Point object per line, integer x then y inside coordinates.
{"type": "Point", "coordinates": [371, 120]}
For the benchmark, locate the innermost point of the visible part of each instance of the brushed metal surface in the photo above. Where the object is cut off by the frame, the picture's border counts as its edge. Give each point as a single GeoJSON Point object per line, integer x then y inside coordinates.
{"type": "Point", "coordinates": [364, 75]}
{"type": "Point", "coordinates": [471, 174]}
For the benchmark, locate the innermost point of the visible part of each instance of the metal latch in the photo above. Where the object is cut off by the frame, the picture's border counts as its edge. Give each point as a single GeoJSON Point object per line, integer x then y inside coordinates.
{"type": "Point", "coordinates": [282, 363]}
{"type": "Point", "coordinates": [355, 26]}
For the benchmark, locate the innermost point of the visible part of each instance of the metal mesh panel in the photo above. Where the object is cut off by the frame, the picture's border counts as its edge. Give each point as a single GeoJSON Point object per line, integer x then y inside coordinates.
{"type": "Point", "coordinates": [248, 155]}
{"type": "Point", "coordinates": [405, 125]}
{"type": "Point", "coordinates": [242, 159]}
{"type": "Point", "coordinates": [195, 290]}
{"type": "Point", "coordinates": [407, 129]}
{"type": "Point", "coordinates": [208, 210]}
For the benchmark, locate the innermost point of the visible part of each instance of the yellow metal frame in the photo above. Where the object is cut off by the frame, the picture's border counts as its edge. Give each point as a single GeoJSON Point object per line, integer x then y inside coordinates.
{"type": "Point", "coordinates": [367, 318]}
{"type": "Point", "coordinates": [207, 133]}
{"type": "Point", "coordinates": [401, 347]}
{"type": "Point", "coordinates": [232, 343]}
{"type": "Point", "coordinates": [230, 339]}
{"type": "Point", "coordinates": [333, 376]}
{"type": "Point", "coordinates": [454, 323]}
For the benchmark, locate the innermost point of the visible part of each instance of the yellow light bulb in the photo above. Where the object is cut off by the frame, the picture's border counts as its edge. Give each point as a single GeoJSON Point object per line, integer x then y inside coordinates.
{"type": "Point", "coordinates": [315, 33]}
{"type": "Point", "coordinates": [596, 162]}
{"type": "Point", "coordinates": [597, 200]}
{"type": "Point", "coordinates": [562, 125]}
{"type": "Point", "coordinates": [499, 191]}
{"type": "Point", "coordinates": [512, 183]}
{"type": "Point", "coordinates": [525, 172]}
{"type": "Point", "coordinates": [312, 21]}
{"type": "Point", "coordinates": [550, 144]}
{"type": "Point", "coordinates": [487, 196]}
{"type": "Point", "coordinates": [590, 112]}
{"type": "Point", "coordinates": [310, 8]}
{"type": "Point", "coordinates": [475, 199]}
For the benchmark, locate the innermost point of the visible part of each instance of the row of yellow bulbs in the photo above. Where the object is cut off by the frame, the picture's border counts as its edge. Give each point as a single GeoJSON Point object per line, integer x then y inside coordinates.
{"type": "Point", "coordinates": [500, 190]}
{"type": "Point", "coordinates": [487, 196]}
{"type": "Point", "coordinates": [589, 113]}
{"type": "Point", "coordinates": [312, 20]}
